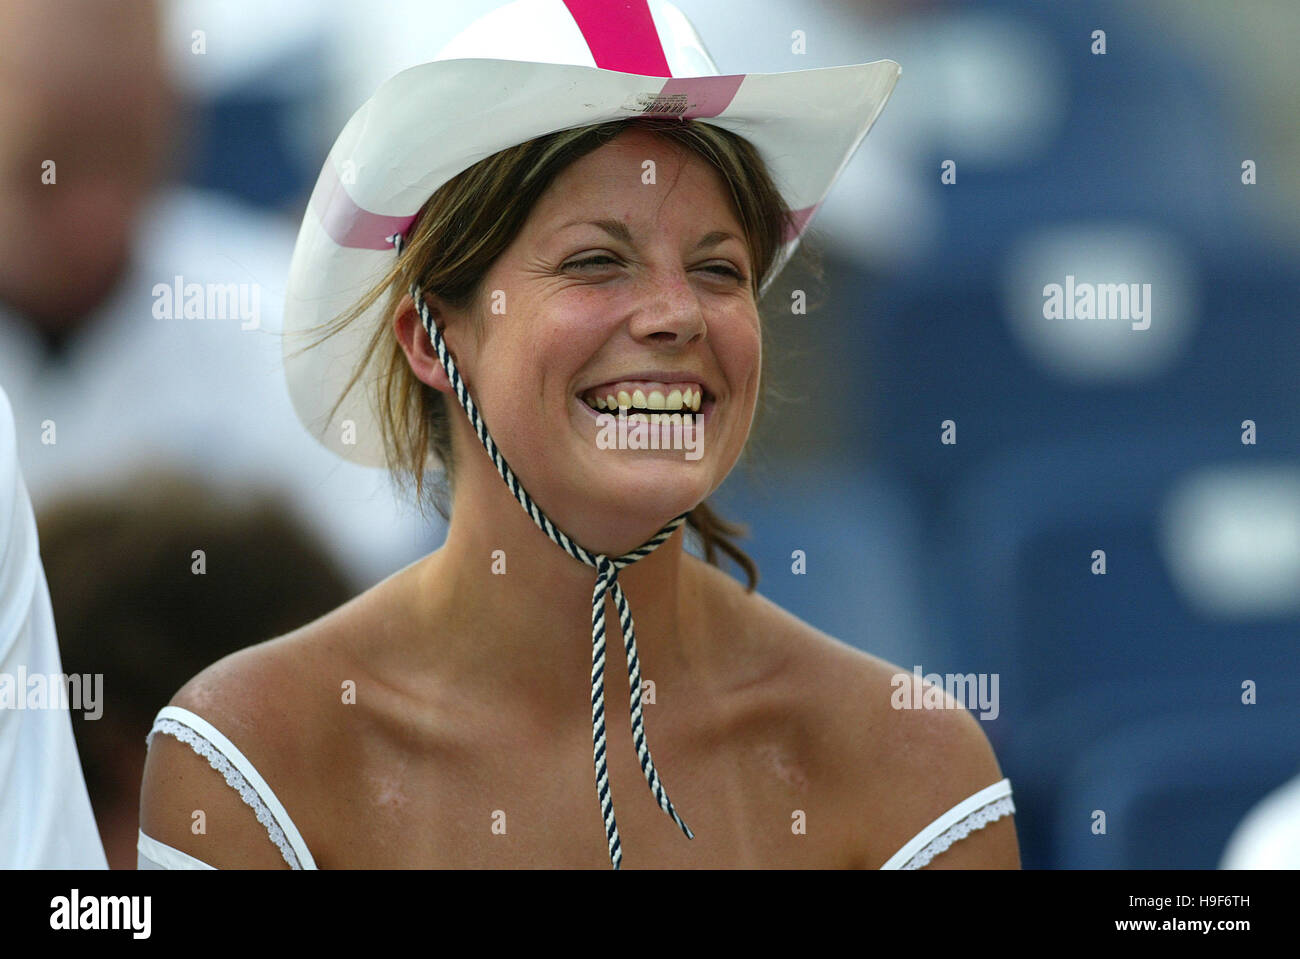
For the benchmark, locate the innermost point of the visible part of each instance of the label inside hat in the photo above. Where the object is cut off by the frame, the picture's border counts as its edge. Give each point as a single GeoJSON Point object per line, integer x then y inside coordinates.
{"type": "Point", "coordinates": [658, 104]}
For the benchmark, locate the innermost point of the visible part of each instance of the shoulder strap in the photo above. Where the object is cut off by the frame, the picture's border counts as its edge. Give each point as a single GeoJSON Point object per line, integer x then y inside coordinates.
{"type": "Point", "coordinates": [222, 754]}
{"type": "Point", "coordinates": [976, 812]}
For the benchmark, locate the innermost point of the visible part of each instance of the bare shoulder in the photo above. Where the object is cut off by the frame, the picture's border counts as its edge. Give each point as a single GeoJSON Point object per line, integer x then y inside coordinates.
{"type": "Point", "coordinates": [264, 699]}
{"type": "Point", "coordinates": [899, 769]}
{"type": "Point", "coordinates": [926, 760]}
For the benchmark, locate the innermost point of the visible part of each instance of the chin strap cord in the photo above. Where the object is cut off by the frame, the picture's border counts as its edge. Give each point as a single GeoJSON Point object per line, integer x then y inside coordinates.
{"type": "Point", "coordinates": [606, 585]}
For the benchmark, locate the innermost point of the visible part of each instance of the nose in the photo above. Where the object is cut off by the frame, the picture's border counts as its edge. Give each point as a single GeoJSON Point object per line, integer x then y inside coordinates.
{"type": "Point", "coordinates": [673, 315]}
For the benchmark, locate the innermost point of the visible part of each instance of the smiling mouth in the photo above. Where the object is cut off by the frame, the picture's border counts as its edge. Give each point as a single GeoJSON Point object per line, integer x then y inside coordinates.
{"type": "Point", "coordinates": [647, 397]}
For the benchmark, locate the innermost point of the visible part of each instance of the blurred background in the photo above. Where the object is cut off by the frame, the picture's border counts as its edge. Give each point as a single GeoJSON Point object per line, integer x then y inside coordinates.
{"type": "Point", "coordinates": [1155, 681]}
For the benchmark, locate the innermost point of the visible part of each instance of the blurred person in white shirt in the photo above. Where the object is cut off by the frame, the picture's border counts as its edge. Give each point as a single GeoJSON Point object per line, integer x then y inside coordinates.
{"type": "Point", "coordinates": [45, 815]}
{"type": "Point", "coordinates": [104, 365]}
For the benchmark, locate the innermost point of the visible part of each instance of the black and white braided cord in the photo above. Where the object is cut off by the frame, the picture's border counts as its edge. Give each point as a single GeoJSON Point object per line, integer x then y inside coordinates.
{"type": "Point", "coordinates": [606, 585]}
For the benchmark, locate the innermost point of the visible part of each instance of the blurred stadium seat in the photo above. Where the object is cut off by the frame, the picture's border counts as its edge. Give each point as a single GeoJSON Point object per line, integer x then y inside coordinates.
{"type": "Point", "coordinates": [858, 531]}
{"type": "Point", "coordinates": [1066, 641]}
{"type": "Point", "coordinates": [1174, 787]}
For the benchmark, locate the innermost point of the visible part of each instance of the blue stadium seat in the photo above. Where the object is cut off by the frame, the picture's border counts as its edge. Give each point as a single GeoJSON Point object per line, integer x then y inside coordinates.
{"type": "Point", "coordinates": [1174, 788]}
{"type": "Point", "coordinates": [857, 529]}
{"type": "Point", "coordinates": [1018, 590]}
{"type": "Point", "coordinates": [1038, 749]}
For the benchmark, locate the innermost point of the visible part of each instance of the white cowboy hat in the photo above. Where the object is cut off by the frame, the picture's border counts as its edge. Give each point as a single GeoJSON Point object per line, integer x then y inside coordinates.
{"type": "Point", "coordinates": [524, 70]}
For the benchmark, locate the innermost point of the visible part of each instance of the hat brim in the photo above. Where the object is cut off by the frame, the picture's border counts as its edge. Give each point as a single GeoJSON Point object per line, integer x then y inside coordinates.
{"type": "Point", "coordinates": [426, 125]}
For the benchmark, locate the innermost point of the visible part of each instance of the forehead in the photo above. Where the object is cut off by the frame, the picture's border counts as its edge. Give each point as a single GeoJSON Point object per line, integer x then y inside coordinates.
{"type": "Point", "coordinates": [638, 174]}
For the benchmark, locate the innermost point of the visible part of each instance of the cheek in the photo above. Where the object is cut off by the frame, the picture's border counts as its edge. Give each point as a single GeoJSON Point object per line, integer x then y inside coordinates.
{"type": "Point", "coordinates": [739, 348]}
{"type": "Point", "coordinates": [528, 363]}
{"type": "Point", "coordinates": [564, 341]}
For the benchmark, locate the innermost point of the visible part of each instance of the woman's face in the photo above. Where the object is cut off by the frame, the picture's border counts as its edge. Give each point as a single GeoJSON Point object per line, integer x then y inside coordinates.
{"type": "Point", "coordinates": [658, 300]}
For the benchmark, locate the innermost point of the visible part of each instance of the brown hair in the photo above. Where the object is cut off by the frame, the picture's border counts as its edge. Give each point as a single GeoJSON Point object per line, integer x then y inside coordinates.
{"type": "Point", "coordinates": [470, 221]}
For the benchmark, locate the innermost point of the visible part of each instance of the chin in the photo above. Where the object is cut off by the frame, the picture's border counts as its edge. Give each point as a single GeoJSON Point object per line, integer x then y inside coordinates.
{"type": "Point", "coordinates": [630, 512]}
{"type": "Point", "coordinates": [655, 481]}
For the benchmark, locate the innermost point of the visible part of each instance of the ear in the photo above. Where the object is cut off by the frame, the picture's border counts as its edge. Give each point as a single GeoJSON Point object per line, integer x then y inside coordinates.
{"type": "Point", "coordinates": [417, 346]}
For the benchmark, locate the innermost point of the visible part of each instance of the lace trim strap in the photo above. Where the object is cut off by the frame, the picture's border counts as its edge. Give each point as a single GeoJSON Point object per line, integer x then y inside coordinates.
{"type": "Point", "coordinates": [988, 805]}
{"type": "Point", "coordinates": [240, 775]}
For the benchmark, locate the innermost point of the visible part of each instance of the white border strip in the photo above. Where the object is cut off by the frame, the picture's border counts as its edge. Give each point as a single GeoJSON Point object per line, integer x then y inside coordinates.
{"type": "Point", "coordinates": [953, 816]}
{"type": "Point", "coordinates": [156, 855]}
{"type": "Point", "coordinates": [214, 736]}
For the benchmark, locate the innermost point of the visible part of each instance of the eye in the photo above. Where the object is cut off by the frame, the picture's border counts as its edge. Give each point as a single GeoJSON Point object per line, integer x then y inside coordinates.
{"type": "Point", "coordinates": [718, 269]}
{"type": "Point", "coordinates": [590, 261]}
{"type": "Point", "coordinates": [727, 271]}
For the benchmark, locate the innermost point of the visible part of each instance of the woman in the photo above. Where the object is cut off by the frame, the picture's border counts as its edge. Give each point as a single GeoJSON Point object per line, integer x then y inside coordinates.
{"type": "Point", "coordinates": [573, 253]}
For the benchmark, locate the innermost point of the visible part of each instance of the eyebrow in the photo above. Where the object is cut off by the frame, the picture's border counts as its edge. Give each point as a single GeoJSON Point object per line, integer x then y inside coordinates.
{"type": "Point", "coordinates": [619, 231]}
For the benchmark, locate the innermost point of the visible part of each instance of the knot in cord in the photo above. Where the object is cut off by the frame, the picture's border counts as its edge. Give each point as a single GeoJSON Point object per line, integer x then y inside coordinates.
{"type": "Point", "coordinates": [606, 585]}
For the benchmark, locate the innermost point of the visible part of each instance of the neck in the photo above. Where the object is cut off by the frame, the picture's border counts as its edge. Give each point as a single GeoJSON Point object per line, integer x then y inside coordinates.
{"type": "Point", "coordinates": [512, 612]}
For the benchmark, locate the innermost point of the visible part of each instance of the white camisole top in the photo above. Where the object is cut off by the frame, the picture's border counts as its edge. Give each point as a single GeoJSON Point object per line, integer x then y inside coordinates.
{"type": "Point", "coordinates": [975, 812]}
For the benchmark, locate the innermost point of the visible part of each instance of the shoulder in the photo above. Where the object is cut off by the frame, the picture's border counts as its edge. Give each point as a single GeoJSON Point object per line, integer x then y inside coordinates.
{"type": "Point", "coordinates": [900, 764]}
{"type": "Point", "coordinates": [930, 755]}
{"type": "Point", "coordinates": [265, 700]}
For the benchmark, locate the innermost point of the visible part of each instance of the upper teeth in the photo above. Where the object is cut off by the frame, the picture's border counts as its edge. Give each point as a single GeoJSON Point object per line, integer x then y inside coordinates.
{"type": "Point", "coordinates": [646, 396]}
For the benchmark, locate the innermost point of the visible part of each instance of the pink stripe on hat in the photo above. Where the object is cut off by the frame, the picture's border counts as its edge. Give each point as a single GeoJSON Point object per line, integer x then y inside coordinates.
{"type": "Point", "coordinates": [621, 35]}
{"type": "Point", "coordinates": [348, 224]}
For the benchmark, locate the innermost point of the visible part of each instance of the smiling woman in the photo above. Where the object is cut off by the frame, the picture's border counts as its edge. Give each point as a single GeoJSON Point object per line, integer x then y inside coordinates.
{"type": "Point", "coordinates": [478, 284]}
{"type": "Point", "coordinates": [493, 209]}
